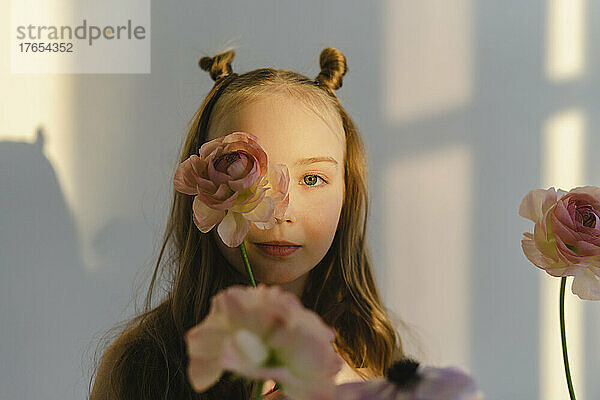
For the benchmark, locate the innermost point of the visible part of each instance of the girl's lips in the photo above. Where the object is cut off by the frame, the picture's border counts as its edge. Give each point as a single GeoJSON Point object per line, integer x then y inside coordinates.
{"type": "Point", "coordinates": [279, 243]}
{"type": "Point", "coordinates": [276, 250]}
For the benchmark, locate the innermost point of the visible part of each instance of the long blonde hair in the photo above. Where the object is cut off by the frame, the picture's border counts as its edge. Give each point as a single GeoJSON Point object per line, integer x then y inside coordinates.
{"type": "Point", "coordinates": [341, 288]}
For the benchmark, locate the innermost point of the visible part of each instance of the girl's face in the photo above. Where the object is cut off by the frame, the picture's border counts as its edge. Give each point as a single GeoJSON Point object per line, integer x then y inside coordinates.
{"type": "Point", "coordinates": [314, 155]}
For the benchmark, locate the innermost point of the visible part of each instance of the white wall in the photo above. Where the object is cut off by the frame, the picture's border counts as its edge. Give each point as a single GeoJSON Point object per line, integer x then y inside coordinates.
{"type": "Point", "coordinates": [451, 100]}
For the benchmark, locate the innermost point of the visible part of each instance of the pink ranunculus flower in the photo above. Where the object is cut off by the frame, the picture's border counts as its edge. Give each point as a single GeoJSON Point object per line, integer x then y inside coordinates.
{"type": "Point", "coordinates": [407, 380]}
{"type": "Point", "coordinates": [566, 237]}
{"type": "Point", "coordinates": [234, 185]}
{"type": "Point", "coordinates": [264, 333]}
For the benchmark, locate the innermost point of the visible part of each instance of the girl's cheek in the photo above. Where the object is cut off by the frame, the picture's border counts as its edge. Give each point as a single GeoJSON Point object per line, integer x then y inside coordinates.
{"type": "Point", "coordinates": [323, 215]}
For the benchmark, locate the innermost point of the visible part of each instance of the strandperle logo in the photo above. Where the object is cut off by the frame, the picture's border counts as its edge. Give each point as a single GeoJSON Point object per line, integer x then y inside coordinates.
{"type": "Point", "coordinates": [80, 37]}
{"type": "Point", "coordinates": [84, 31]}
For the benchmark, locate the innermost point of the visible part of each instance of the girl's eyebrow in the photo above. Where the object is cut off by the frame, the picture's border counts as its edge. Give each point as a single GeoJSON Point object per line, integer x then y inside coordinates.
{"type": "Point", "coordinates": [312, 160]}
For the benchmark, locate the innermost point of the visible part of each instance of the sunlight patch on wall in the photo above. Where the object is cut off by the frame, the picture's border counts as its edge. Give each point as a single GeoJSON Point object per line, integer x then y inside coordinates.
{"type": "Point", "coordinates": [427, 261]}
{"type": "Point", "coordinates": [563, 164]}
{"type": "Point", "coordinates": [428, 57]}
{"type": "Point", "coordinates": [34, 101]}
{"type": "Point", "coordinates": [565, 39]}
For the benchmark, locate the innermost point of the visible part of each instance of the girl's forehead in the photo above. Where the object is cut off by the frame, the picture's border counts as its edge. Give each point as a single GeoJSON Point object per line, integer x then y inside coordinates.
{"type": "Point", "coordinates": [286, 128]}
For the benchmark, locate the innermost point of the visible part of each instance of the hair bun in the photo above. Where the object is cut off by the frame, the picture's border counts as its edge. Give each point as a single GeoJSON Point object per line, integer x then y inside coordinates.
{"type": "Point", "coordinates": [218, 66]}
{"type": "Point", "coordinates": [333, 68]}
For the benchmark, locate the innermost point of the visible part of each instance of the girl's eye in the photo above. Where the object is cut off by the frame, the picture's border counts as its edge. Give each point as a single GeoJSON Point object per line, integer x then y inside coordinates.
{"type": "Point", "coordinates": [311, 179]}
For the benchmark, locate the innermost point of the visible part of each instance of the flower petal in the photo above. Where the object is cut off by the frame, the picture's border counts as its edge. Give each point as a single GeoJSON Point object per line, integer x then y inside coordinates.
{"type": "Point", "coordinates": [246, 182]}
{"type": "Point", "coordinates": [594, 267]}
{"type": "Point", "coordinates": [253, 200]}
{"type": "Point", "coordinates": [242, 137]}
{"type": "Point", "coordinates": [309, 350]}
{"type": "Point", "coordinates": [219, 200]}
{"type": "Point", "coordinates": [202, 373]}
{"type": "Point", "coordinates": [445, 383]}
{"type": "Point", "coordinates": [544, 241]}
{"type": "Point", "coordinates": [376, 388]}
{"type": "Point", "coordinates": [243, 351]}
{"type": "Point", "coordinates": [279, 180]}
{"type": "Point", "coordinates": [207, 148]}
{"type": "Point", "coordinates": [205, 218]}
{"type": "Point", "coordinates": [588, 249]}
{"type": "Point", "coordinates": [531, 251]}
{"type": "Point", "coordinates": [281, 207]}
{"type": "Point", "coordinates": [263, 212]}
{"type": "Point", "coordinates": [204, 344]}
{"type": "Point", "coordinates": [554, 266]}
{"type": "Point", "coordinates": [562, 214]}
{"type": "Point", "coordinates": [205, 340]}
{"type": "Point", "coordinates": [249, 319]}
{"type": "Point", "coordinates": [266, 225]}
{"type": "Point", "coordinates": [218, 178]}
{"type": "Point", "coordinates": [185, 175]}
{"type": "Point", "coordinates": [233, 229]}
{"type": "Point", "coordinates": [257, 309]}
{"type": "Point", "coordinates": [586, 285]}
{"type": "Point", "coordinates": [250, 143]}
{"type": "Point", "coordinates": [205, 185]}
{"type": "Point", "coordinates": [550, 199]}
{"type": "Point", "coordinates": [560, 230]}
{"type": "Point", "coordinates": [569, 256]}
{"type": "Point", "coordinates": [240, 167]}
{"type": "Point", "coordinates": [591, 191]}
{"type": "Point", "coordinates": [531, 205]}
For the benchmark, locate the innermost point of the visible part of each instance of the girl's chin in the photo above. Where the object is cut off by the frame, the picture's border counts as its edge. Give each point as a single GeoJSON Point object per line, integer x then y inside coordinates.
{"type": "Point", "coordinates": [274, 280]}
{"type": "Point", "coordinates": [294, 284]}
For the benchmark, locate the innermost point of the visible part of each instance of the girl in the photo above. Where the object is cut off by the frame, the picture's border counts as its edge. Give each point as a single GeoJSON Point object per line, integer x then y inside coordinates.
{"type": "Point", "coordinates": [300, 123]}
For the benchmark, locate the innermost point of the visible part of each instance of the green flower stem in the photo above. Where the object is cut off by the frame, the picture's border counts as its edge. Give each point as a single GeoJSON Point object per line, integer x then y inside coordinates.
{"type": "Point", "coordinates": [242, 247]}
{"type": "Point", "coordinates": [257, 395]}
{"type": "Point", "coordinates": [563, 336]}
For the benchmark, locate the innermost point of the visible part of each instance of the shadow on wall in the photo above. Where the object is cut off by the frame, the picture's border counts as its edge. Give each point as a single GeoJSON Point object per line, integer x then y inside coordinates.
{"type": "Point", "coordinates": [50, 307]}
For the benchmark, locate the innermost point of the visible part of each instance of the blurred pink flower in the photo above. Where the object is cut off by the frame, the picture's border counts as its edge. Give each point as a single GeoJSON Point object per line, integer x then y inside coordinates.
{"type": "Point", "coordinates": [233, 184]}
{"type": "Point", "coordinates": [407, 380]}
{"type": "Point", "coordinates": [264, 333]}
{"type": "Point", "coordinates": [566, 237]}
